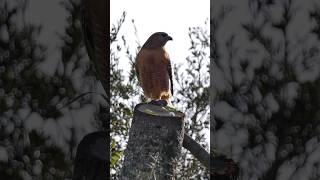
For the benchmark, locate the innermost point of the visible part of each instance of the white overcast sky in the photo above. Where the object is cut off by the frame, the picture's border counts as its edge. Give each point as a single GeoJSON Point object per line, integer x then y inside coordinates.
{"type": "Point", "coordinates": [171, 16]}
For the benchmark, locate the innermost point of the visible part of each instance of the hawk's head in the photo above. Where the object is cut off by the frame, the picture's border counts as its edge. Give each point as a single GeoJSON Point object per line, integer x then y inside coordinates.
{"type": "Point", "coordinates": [156, 40]}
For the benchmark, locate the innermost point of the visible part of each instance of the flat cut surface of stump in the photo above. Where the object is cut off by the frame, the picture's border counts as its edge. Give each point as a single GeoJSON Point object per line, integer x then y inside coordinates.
{"type": "Point", "coordinates": [158, 110]}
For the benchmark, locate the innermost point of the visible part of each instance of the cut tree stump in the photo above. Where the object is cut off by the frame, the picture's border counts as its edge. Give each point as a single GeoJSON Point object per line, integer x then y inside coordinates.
{"type": "Point", "coordinates": [155, 142]}
{"type": "Point", "coordinates": [91, 161]}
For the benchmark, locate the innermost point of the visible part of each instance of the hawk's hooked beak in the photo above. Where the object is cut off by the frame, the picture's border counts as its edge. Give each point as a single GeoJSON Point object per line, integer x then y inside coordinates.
{"type": "Point", "coordinates": [169, 38]}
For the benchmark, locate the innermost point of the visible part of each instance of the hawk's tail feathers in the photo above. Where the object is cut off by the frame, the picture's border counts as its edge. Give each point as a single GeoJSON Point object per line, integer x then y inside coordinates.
{"type": "Point", "coordinates": [165, 95]}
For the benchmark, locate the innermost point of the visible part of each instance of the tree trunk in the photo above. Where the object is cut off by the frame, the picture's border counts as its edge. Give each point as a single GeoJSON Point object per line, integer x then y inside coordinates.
{"type": "Point", "coordinates": [91, 161]}
{"type": "Point", "coordinates": [155, 141]}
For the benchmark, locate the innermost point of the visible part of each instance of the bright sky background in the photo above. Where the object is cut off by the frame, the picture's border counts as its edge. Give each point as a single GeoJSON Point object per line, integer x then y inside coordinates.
{"type": "Point", "coordinates": [170, 16]}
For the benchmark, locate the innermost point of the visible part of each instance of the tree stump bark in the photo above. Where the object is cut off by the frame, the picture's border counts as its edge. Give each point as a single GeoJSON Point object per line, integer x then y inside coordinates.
{"type": "Point", "coordinates": [155, 141]}
{"type": "Point", "coordinates": [91, 162]}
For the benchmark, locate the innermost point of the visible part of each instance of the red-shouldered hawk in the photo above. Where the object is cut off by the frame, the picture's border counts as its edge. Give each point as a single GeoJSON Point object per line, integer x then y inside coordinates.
{"type": "Point", "coordinates": [153, 68]}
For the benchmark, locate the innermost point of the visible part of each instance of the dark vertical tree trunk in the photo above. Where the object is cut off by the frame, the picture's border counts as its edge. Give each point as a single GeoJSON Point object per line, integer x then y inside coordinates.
{"type": "Point", "coordinates": [155, 141]}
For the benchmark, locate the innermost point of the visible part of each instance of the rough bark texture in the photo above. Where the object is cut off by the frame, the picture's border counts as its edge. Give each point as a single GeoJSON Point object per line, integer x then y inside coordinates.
{"type": "Point", "coordinates": [91, 161]}
{"type": "Point", "coordinates": [155, 141]}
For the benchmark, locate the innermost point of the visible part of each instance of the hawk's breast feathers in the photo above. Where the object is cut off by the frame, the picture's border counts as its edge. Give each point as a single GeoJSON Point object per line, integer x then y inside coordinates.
{"type": "Point", "coordinates": [153, 67]}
